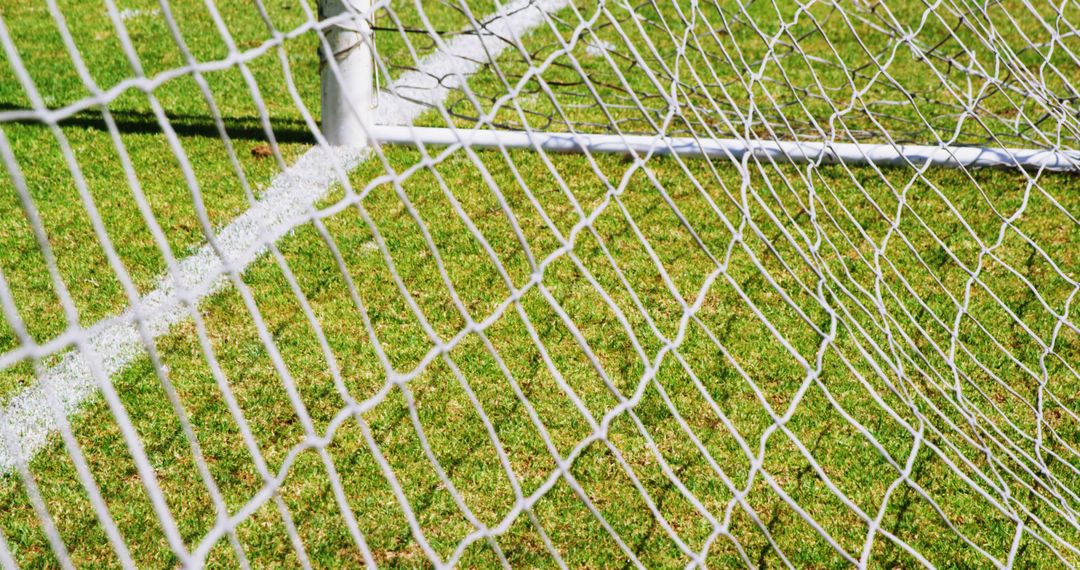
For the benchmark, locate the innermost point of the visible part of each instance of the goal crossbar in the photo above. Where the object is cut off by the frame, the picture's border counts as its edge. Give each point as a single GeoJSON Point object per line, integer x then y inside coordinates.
{"type": "Point", "coordinates": [784, 151]}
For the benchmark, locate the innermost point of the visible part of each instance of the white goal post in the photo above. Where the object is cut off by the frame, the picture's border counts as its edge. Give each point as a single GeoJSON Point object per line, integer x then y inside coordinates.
{"type": "Point", "coordinates": [347, 92]}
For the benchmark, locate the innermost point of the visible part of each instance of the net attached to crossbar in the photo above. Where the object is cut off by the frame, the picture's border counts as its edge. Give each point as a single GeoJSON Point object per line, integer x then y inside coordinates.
{"type": "Point", "coordinates": [691, 283]}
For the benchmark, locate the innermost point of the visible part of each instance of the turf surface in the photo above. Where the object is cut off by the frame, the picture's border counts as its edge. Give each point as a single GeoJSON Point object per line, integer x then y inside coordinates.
{"type": "Point", "coordinates": [714, 383]}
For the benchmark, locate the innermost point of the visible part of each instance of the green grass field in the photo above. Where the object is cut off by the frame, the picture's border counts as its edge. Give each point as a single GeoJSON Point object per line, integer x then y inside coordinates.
{"type": "Point", "coordinates": [607, 322]}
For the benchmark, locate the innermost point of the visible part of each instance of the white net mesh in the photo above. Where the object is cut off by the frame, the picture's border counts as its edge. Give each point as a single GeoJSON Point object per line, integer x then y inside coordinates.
{"type": "Point", "coordinates": [227, 343]}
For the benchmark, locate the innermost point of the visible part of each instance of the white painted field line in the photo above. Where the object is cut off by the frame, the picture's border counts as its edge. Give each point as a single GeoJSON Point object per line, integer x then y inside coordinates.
{"type": "Point", "coordinates": [27, 417]}
{"type": "Point", "coordinates": [430, 84]}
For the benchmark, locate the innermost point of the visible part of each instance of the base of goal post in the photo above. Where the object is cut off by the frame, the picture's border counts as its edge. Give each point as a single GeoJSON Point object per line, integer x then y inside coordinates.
{"type": "Point", "coordinates": [799, 152]}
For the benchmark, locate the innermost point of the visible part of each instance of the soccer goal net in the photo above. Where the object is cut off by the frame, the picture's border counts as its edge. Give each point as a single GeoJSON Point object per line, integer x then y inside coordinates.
{"type": "Point", "coordinates": [522, 283]}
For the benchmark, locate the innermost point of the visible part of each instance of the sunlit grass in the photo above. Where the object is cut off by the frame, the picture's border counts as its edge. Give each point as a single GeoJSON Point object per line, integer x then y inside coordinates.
{"type": "Point", "coordinates": [596, 322]}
